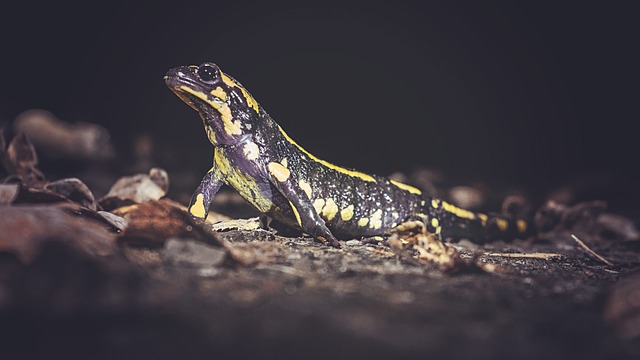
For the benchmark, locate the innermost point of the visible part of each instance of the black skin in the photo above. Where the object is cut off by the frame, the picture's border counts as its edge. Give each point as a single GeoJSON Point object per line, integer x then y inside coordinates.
{"type": "Point", "coordinates": [383, 203]}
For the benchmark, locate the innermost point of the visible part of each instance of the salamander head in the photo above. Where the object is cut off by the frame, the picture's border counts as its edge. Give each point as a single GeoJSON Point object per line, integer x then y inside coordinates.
{"type": "Point", "coordinates": [227, 109]}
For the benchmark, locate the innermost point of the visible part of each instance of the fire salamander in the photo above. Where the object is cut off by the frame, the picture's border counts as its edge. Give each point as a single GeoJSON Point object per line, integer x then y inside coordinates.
{"type": "Point", "coordinates": [255, 156]}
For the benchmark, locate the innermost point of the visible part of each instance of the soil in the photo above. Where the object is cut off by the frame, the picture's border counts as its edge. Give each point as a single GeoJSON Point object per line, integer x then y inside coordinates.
{"type": "Point", "coordinates": [122, 278]}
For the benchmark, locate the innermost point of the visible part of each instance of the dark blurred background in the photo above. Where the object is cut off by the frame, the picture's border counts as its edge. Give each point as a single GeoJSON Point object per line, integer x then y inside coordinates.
{"type": "Point", "coordinates": [536, 93]}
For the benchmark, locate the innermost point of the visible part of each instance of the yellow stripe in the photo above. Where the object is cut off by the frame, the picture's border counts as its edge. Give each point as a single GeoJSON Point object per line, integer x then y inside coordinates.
{"type": "Point", "coordinates": [250, 100]}
{"type": "Point", "coordinates": [337, 168]}
{"type": "Point", "coordinates": [230, 126]}
{"type": "Point", "coordinates": [406, 187]}
{"type": "Point", "coordinates": [295, 212]}
{"type": "Point", "coordinates": [465, 214]}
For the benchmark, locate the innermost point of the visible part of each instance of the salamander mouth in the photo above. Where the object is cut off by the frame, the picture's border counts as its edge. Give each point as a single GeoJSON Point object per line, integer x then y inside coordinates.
{"type": "Point", "coordinates": [183, 82]}
{"type": "Point", "coordinates": [178, 77]}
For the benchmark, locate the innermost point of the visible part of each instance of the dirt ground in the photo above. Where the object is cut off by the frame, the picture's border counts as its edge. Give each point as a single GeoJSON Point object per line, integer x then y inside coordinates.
{"type": "Point", "coordinates": [130, 275]}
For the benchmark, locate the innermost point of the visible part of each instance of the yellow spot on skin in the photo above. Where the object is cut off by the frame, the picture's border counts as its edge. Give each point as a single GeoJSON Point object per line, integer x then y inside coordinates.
{"type": "Point", "coordinates": [502, 224]}
{"type": "Point", "coordinates": [347, 213]}
{"type": "Point", "coordinates": [522, 226]}
{"type": "Point", "coordinates": [465, 214]}
{"type": "Point", "coordinates": [318, 205]}
{"type": "Point", "coordinates": [230, 127]}
{"type": "Point", "coordinates": [219, 93]}
{"type": "Point", "coordinates": [434, 203]}
{"type": "Point", "coordinates": [305, 187]}
{"type": "Point", "coordinates": [363, 222]}
{"type": "Point", "coordinates": [406, 187]}
{"type": "Point", "coordinates": [376, 219]}
{"type": "Point", "coordinates": [251, 150]}
{"type": "Point", "coordinates": [278, 171]}
{"type": "Point", "coordinates": [337, 168]}
{"type": "Point", "coordinates": [483, 218]}
{"type": "Point", "coordinates": [330, 209]}
{"type": "Point", "coordinates": [197, 209]}
{"type": "Point", "coordinates": [435, 223]}
{"type": "Point", "coordinates": [295, 212]}
{"type": "Point", "coordinates": [248, 98]}
{"type": "Point", "coordinates": [284, 162]}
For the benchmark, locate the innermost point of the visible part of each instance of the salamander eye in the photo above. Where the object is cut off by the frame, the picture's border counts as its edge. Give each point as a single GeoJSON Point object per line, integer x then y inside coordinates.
{"type": "Point", "coordinates": [208, 73]}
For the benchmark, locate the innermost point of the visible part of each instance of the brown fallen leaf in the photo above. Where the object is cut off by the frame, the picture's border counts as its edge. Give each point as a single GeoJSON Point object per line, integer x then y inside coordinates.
{"type": "Point", "coordinates": [24, 229]}
{"type": "Point", "coordinates": [27, 195]}
{"type": "Point", "coordinates": [74, 190]}
{"type": "Point", "coordinates": [619, 226]}
{"type": "Point", "coordinates": [590, 220]}
{"type": "Point", "coordinates": [20, 160]}
{"type": "Point", "coordinates": [137, 188]}
{"type": "Point", "coordinates": [71, 191]}
{"type": "Point", "coordinates": [150, 224]}
{"type": "Point", "coordinates": [8, 193]}
{"type": "Point", "coordinates": [412, 235]}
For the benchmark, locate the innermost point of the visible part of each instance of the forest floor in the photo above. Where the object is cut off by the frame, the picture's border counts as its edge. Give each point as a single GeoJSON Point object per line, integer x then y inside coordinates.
{"type": "Point", "coordinates": [130, 275]}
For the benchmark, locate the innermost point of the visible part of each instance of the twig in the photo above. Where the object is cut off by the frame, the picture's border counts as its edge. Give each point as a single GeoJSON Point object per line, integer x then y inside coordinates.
{"type": "Point", "coordinates": [535, 255]}
{"type": "Point", "coordinates": [591, 252]}
{"type": "Point", "coordinates": [381, 252]}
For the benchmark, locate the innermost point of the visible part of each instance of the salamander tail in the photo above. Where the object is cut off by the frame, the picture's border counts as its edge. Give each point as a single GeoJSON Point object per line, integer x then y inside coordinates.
{"type": "Point", "coordinates": [450, 221]}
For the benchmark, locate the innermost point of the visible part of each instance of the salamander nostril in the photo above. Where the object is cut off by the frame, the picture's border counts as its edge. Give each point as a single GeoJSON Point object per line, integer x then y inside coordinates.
{"type": "Point", "coordinates": [207, 73]}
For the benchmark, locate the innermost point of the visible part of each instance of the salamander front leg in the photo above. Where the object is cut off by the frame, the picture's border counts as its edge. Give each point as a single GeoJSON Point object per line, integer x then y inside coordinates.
{"type": "Point", "coordinates": [301, 206]}
{"type": "Point", "coordinates": [202, 197]}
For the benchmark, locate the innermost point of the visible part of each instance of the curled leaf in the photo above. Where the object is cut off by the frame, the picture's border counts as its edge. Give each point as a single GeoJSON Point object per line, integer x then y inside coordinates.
{"type": "Point", "coordinates": [74, 190]}
{"type": "Point", "coordinates": [8, 193]}
{"type": "Point", "coordinates": [137, 188]}
{"type": "Point", "coordinates": [150, 224]}
{"type": "Point", "coordinates": [24, 230]}
{"type": "Point", "coordinates": [20, 160]}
